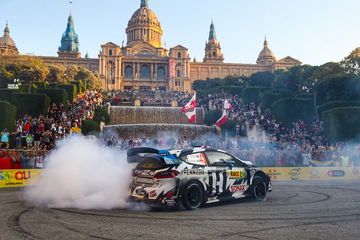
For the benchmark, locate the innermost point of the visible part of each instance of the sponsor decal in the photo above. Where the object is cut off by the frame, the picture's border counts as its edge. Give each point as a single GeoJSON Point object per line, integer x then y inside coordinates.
{"type": "Point", "coordinates": [140, 192]}
{"type": "Point", "coordinates": [315, 173]}
{"type": "Point", "coordinates": [152, 194]}
{"type": "Point", "coordinates": [295, 173]}
{"type": "Point", "coordinates": [194, 171]}
{"type": "Point", "coordinates": [355, 171]}
{"type": "Point", "coordinates": [237, 188]}
{"type": "Point", "coordinates": [273, 174]}
{"type": "Point", "coordinates": [145, 172]}
{"type": "Point", "coordinates": [18, 178]}
{"type": "Point", "coordinates": [144, 180]}
{"type": "Point", "coordinates": [198, 159]}
{"type": "Point", "coordinates": [336, 173]}
{"type": "Point", "coordinates": [236, 174]}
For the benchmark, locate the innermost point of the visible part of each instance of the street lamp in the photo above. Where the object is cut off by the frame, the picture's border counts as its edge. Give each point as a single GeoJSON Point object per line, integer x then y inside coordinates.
{"type": "Point", "coordinates": [316, 114]}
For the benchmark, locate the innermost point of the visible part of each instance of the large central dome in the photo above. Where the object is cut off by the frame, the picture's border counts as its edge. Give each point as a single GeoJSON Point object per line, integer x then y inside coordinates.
{"type": "Point", "coordinates": [144, 27]}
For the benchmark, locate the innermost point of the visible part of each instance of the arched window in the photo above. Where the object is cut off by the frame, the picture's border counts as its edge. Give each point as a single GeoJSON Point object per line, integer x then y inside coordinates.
{"type": "Point", "coordinates": [214, 54]}
{"type": "Point", "coordinates": [110, 52]}
{"type": "Point", "coordinates": [161, 73]}
{"type": "Point", "coordinates": [179, 55]}
{"type": "Point", "coordinates": [128, 72]}
{"type": "Point", "coordinates": [144, 72]}
{"type": "Point", "coordinates": [178, 73]}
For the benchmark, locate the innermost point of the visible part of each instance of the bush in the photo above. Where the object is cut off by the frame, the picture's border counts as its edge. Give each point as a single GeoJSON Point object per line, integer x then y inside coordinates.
{"type": "Point", "coordinates": [41, 84]}
{"type": "Point", "coordinates": [30, 103]}
{"type": "Point", "coordinates": [342, 123]}
{"type": "Point", "coordinates": [101, 115]}
{"type": "Point", "coordinates": [271, 96]}
{"type": "Point", "coordinates": [56, 95]}
{"type": "Point", "coordinates": [305, 95]}
{"type": "Point", "coordinates": [27, 88]}
{"type": "Point", "coordinates": [70, 89]}
{"type": "Point", "coordinates": [336, 104]}
{"type": "Point", "coordinates": [89, 126]}
{"type": "Point", "coordinates": [291, 110]}
{"type": "Point", "coordinates": [254, 94]}
{"type": "Point", "coordinates": [212, 116]}
{"type": "Point", "coordinates": [8, 115]}
{"type": "Point", "coordinates": [5, 94]}
{"type": "Point", "coordinates": [78, 86]}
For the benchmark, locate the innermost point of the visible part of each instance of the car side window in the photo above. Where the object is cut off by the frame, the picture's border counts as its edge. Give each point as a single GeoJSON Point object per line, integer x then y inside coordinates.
{"type": "Point", "coordinates": [214, 157]}
{"type": "Point", "coordinates": [195, 158]}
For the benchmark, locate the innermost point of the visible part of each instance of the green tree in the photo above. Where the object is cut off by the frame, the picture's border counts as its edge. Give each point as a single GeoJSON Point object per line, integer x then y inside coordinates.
{"type": "Point", "coordinates": [262, 79]}
{"type": "Point", "coordinates": [56, 74]}
{"type": "Point", "coordinates": [101, 115]}
{"type": "Point", "coordinates": [351, 63]}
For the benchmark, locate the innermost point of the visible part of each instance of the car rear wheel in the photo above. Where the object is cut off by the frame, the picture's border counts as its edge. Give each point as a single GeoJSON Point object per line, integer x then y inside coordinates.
{"type": "Point", "coordinates": [193, 195]}
{"type": "Point", "coordinates": [259, 189]}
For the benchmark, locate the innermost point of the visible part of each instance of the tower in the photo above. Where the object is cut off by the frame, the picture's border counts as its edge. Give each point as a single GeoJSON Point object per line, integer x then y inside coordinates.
{"type": "Point", "coordinates": [7, 45]}
{"type": "Point", "coordinates": [212, 48]}
{"type": "Point", "coordinates": [69, 41]}
{"type": "Point", "coordinates": [266, 56]}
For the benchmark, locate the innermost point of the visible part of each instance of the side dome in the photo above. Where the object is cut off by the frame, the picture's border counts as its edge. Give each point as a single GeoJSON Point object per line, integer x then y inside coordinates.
{"type": "Point", "coordinates": [144, 26]}
{"type": "Point", "coordinates": [266, 56]}
{"type": "Point", "coordinates": [6, 39]}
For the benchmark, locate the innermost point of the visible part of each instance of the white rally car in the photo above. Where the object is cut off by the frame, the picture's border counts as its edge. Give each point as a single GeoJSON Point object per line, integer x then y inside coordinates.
{"type": "Point", "coordinates": [193, 177]}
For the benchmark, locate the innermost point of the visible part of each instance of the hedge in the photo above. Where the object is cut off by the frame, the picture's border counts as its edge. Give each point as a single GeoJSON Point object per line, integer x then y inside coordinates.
{"type": "Point", "coordinates": [27, 88]}
{"type": "Point", "coordinates": [8, 116]}
{"type": "Point", "coordinates": [336, 104]}
{"type": "Point", "coordinates": [5, 94]}
{"type": "Point", "coordinates": [254, 94]}
{"type": "Point", "coordinates": [78, 86]}
{"type": "Point", "coordinates": [89, 126]}
{"type": "Point", "coordinates": [342, 123]}
{"type": "Point", "coordinates": [212, 116]}
{"type": "Point", "coordinates": [270, 97]}
{"type": "Point", "coordinates": [30, 103]}
{"type": "Point", "coordinates": [70, 89]}
{"type": "Point", "coordinates": [291, 110]}
{"type": "Point", "coordinates": [56, 95]}
{"type": "Point", "coordinates": [305, 95]}
{"type": "Point", "coordinates": [41, 84]}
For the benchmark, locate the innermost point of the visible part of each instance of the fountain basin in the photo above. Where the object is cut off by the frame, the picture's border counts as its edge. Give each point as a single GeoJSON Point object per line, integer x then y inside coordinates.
{"type": "Point", "coordinates": [151, 130]}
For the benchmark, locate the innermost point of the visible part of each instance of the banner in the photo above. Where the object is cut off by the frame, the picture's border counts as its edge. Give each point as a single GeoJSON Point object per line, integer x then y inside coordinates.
{"type": "Point", "coordinates": [18, 177]}
{"type": "Point", "coordinates": [172, 68]}
{"type": "Point", "coordinates": [312, 173]}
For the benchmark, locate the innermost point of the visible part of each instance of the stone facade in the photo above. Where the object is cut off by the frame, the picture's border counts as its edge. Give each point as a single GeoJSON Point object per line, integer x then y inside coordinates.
{"type": "Point", "coordinates": [144, 63]}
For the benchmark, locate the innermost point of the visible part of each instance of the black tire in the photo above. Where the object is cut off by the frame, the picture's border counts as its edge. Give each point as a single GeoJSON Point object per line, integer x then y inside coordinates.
{"type": "Point", "coordinates": [193, 195]}
{"type": "Point", "coordinates": [259, 189]}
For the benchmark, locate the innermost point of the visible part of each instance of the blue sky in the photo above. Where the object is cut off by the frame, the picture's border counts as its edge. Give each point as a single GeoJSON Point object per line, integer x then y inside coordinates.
{"type": "Point", "coordinates": [313, 31]}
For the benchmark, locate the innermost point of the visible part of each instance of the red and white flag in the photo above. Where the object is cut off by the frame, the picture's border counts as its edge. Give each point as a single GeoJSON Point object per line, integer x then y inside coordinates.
{"type": "Point", "coordinates": [222, 119]}
{"type": "Point", "coordinates": [191, 115]}
{"type": "Point", "coordinates": [190, 105]}
{"type": "Point", "coordinates": [227, 105]}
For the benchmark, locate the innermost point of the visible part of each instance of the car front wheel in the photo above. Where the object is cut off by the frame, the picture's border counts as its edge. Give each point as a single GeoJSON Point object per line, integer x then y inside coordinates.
{"type": "Point", "coordinates": [259, 189]}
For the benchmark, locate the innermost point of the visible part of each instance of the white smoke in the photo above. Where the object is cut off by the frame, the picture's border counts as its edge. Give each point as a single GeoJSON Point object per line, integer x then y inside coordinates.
{"type": "Point", "coordinates": [81, 173]}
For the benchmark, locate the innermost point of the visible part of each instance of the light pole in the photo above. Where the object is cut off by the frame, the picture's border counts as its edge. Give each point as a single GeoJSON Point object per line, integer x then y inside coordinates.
{"type": "Point", "coordinates": [316, 114]}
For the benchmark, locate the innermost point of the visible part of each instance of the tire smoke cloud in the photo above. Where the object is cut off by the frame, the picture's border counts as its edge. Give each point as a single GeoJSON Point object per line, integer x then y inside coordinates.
{"type": "Point", "coordinates": [81, 173]}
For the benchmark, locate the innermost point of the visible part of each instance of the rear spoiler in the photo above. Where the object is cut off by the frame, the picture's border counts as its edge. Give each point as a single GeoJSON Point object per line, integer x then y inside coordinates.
{"type": "Point", "coordinates": [134, 155]}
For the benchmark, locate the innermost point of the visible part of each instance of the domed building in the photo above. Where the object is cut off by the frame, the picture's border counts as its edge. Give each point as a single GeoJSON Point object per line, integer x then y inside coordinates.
{"type": "Point", "coordinates": [7, 45]}
{"type": "Point", "coordinates": [144, 63]}
{"type": "Point", "coordinates": [266, 56]}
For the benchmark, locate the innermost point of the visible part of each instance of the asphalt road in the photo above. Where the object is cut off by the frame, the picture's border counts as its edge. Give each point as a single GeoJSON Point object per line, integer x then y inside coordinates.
{"type": "Point", "coordinates": [294, 210]}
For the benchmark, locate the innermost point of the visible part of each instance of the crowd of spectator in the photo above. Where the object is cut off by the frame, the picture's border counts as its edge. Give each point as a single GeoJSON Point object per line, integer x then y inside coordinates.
{"type": "Point", "coordinates": [33, 137]}
{"type": "Point", "coordinates": [258, 138]}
